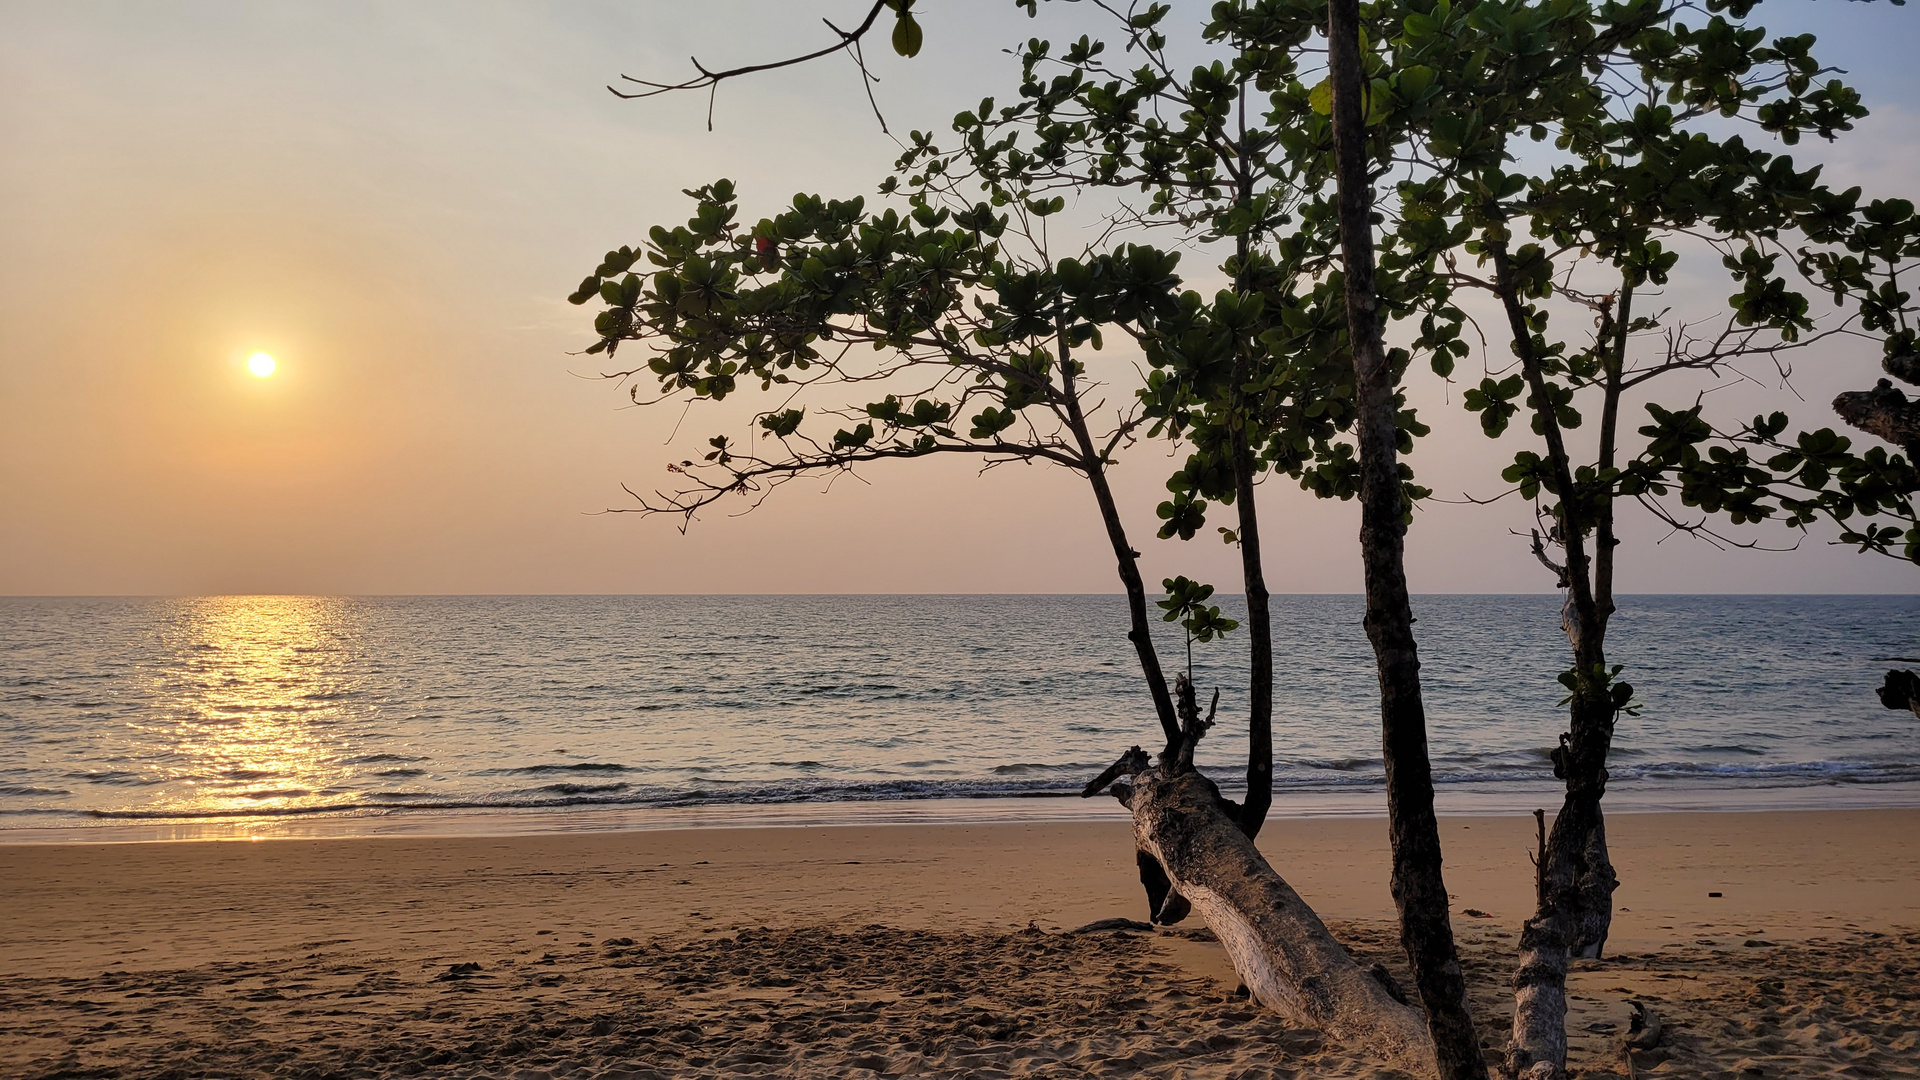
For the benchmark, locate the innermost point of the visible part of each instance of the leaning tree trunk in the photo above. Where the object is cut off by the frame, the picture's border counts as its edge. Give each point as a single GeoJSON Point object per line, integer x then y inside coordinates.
{"type": "Point", "coordinates": [1194, 856]}
{"type": "Point", "coordinates": [1279, 947]}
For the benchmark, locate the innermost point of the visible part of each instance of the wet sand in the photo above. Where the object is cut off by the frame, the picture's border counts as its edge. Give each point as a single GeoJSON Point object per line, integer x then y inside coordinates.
{"type": "Point", "coordinates": [933, 950]}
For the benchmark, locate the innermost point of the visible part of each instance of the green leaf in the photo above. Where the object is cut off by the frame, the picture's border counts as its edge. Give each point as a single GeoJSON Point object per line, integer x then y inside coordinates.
{"type": "Point", "coordinates": [1379, 101]}
{"type": "Point", "coordinates": [1414, 82]}
{"type": "Point", "coordinates": [907, 35]}
{"type": "Point", "coordinates": [1320, 98]}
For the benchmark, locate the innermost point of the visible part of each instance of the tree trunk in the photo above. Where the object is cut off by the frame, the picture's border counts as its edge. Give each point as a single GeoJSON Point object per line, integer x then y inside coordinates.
{"type": "Point", "coordinates": [1279, 947]}
{"type": "Point", "coordinates": [1419, 889]}
{"type": "Point", "coordinates": [1253, 813]}
{"type": "Point", "coordinates": [1576, 879]}
{"type": "Point", "coordinates": [1597, 882]}
{"type": "Point", "coordinates": [1539, 1048]}
{"type": "Point", "coordinates": [1127, 560]}
{"type": "Point", "coordinates": [1576, 903]}
{"type": "Point", "coordinates": [1246, 469]}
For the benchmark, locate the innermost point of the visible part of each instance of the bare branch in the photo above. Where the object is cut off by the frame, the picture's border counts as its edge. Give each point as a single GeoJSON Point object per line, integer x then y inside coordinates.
{"type": "Point", "coordinates": [710, 80]}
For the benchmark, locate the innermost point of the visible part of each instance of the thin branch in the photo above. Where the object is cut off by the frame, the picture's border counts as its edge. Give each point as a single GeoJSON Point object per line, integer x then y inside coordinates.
{"type": "Point", "coordinates": [710, 80]}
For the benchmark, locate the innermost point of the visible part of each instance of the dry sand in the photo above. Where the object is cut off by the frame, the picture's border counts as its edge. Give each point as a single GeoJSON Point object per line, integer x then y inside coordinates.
{"type": "Point", "coordinates": [904, 950]}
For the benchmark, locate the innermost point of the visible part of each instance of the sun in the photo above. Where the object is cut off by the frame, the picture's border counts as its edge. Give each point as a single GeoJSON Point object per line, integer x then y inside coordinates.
{"type": "Point", "coordinates": [261, 364]}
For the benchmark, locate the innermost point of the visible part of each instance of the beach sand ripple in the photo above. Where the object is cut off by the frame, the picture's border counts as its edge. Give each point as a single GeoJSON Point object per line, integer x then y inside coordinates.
{"type": "Point", "coordinates": [876, 1000]}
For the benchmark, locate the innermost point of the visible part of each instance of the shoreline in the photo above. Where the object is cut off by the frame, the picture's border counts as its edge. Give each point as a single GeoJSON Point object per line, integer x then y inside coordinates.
{"type": "Point", "coordinates": [1504, 800]}
{"type": "Point", "coordinates": [1859, 863]}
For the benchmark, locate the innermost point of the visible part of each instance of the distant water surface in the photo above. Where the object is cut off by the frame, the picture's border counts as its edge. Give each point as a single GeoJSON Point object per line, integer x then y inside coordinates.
{"type": "Point", "coordinates": [262, 709]}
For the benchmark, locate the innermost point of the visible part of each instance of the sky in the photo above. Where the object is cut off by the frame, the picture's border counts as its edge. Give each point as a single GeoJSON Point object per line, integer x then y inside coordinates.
{"type": "Point", "coordinates": [393, 199]}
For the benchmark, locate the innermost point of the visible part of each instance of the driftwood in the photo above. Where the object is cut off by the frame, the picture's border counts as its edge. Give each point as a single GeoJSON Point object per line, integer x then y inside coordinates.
{"type": "Point", "coordinates": [1194, 857]}
{"type": "Point", "coordinates": [1279, 947]}
{"type": "Point", "coordinates": [1644, 1032]}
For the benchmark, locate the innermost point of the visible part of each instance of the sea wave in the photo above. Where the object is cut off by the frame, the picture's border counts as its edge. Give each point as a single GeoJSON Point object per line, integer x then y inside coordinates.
{"type": "Point", "coordinates": [1065, 780]}
{"type": "Point", "coordinates": [570, 767]}
{"type": "Point", "coordinates": [632, 797]}
{"type": "Point", "coordinates": [413, 706]}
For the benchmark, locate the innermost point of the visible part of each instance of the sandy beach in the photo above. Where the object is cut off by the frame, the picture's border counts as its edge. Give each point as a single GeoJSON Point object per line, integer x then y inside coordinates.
{"type": "Point", "coordinates": [1771, 944]}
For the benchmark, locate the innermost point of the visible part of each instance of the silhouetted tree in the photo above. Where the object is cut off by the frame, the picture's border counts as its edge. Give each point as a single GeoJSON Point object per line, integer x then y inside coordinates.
{"type": "Point", "coordinates": [1633, 103]}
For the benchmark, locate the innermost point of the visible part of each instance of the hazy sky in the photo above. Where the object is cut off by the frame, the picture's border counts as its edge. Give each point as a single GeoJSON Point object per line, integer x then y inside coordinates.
{"type": "Point", "coordinates": [394, 198]}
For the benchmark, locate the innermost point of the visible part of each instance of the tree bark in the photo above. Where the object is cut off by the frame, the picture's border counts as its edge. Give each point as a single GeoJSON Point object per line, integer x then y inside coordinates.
{"type": "Point", "coordinates": [1884, 412]}
{"type": "Point", "coordinates": [1600, 880]}
{"type": "Point", "coordinates": [1253, 813]}
{"type": "Point", "coordinates": [1278, 946]}
{"type": "Point", "coordinates": [1419, 889]}
{"type": "Point", "coordinates": [1596, 883]}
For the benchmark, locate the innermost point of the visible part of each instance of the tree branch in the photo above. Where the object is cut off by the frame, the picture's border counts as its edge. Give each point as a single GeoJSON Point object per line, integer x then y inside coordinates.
{"type": "Point", "coordinates": [710, 80]}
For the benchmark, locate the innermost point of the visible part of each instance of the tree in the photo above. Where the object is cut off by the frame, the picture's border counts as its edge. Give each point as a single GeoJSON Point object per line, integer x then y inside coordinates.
{"type": "Point", "coordinates": [799, 302]}
{"type": "Point", "coordinates": [978, 329]}
{"type": "Point", "coordinates": [1418, 886]}
{"type": "Point", "coordinates": [1634, 102]}
{"type": "Point", "coordinates": [1447, 94]}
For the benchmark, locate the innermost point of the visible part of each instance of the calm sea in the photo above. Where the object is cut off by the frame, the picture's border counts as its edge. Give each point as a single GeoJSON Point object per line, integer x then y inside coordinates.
{"type": "Point", "coordinates": [236, 715]}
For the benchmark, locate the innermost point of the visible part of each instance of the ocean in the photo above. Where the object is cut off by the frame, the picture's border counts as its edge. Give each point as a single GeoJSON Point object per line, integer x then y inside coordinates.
{"type": "Point", "coordinates": [231, 716]}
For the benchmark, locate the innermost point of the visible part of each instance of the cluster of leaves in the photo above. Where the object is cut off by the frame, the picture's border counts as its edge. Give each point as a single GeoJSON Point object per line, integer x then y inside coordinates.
{"type": "Point", "coordinates": [1232, 153]}
{"type": "Point", "coordinates": [977, 346]}
{"type": "Point", "coordinates": [1186, 604]}
{"type": "Point", "coordinates": [1633, 99]}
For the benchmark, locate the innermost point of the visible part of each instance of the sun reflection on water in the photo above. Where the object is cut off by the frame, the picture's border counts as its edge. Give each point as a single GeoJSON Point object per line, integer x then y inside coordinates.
{"type": "Point", "coordinates": [255, 705]}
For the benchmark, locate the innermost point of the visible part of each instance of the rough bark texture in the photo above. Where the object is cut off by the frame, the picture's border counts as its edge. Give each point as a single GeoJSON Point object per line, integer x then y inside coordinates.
{"type": "Point", "coordinates": [1576, 903]}
{"type": "Point", "coordinates": [1596, 884]}
{"type": "Point", "coordinates": [1539, 1047]}
{"type": "Point", "coordinates": [1884, 412]}
{"type": "Point", "coordinates": [1279, 947]}
{"type": "Point", "coordinates": [1419, 889]}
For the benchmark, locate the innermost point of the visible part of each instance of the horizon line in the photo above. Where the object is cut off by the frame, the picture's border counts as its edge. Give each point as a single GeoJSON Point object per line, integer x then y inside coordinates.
{"type": "Point", "coordinates": [596, 595]}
